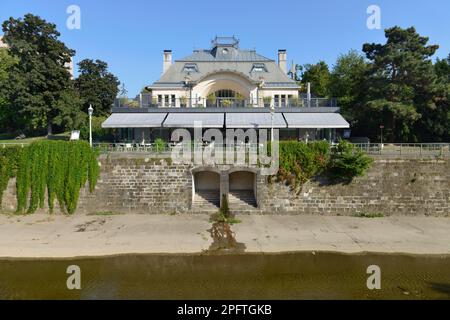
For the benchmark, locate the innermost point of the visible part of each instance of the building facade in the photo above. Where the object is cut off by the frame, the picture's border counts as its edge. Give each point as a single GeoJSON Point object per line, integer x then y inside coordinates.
{"type": "Point", "coordinates": [225, 87]}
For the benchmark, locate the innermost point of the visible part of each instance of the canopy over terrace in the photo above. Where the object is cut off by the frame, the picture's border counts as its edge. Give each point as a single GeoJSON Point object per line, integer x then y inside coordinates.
{"type": "Point", "coordinates": [260, 120]}
{"type": "Point", "coordinates": [254, 121]}
{"type": "Point", "coordinates": [315, 120]}
{"type": "Point", "coordinates": [135, 120]}
{"type": "Point", "coordinates": [190, 120]}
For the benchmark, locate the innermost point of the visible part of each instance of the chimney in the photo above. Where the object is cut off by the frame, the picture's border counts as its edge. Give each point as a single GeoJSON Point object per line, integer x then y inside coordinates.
{"type": "Point", "coordinates": [167, 60]}
{"type": "Point", "coordinates": [282, 60]}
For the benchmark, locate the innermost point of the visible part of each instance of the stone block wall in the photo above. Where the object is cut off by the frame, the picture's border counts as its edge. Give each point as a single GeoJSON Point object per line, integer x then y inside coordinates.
{"type": "Point", "coordinates": [136, 184]}
{"type": "Point", "coordinates": [140, 185]}
{"type": "Point", "coordinates": [390, 187]}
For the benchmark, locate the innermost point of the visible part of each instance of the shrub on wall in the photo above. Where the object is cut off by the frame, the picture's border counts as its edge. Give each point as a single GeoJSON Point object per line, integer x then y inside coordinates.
{"type": "Point", "coordinates": [301, 161]}
{"type": "Point", "coordinates": [348, 162]}
{"type": "Point", "coordinates": [59, 168]}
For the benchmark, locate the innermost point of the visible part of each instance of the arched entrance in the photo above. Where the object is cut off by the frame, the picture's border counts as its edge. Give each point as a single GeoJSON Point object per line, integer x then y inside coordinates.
{"type": "Point", "coordinates": [242, 189]}
{"type": "Point", "coordinates": [206, 189]}
{"type": "Point", "coordinates": [226, 89]}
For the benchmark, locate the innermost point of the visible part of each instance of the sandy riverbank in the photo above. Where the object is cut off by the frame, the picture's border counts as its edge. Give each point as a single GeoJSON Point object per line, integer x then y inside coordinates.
{"type": "Point", "coordinates": [45, 236]}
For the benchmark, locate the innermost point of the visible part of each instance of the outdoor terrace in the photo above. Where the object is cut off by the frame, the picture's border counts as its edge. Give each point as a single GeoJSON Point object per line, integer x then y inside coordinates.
{"type": "Point", "coordinates": [147, 101]}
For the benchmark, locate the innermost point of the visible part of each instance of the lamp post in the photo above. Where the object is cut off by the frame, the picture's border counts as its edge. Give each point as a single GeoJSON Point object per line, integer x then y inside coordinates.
{"type": "Point", "coordinates": [381, 129]}
{"type": "Point", "coordinates": [90, 112]}
{"type": "Point", "coordinates": [187, 82]}
{"type": "Point", "coordinates": [272, 112]}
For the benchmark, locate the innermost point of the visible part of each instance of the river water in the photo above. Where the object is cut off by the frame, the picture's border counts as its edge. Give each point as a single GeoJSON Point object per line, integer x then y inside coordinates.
{"type": "Point", "coordinates": [221, 275]}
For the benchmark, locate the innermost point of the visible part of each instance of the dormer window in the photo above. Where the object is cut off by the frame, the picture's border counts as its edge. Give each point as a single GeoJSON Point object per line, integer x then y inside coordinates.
{"type": "Point", "coordinates": [259, 67]}
{"type": "Point", "coordinates": [190, 67]}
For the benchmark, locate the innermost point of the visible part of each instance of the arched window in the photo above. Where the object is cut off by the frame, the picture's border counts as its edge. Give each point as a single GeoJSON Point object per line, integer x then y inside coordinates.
{"type": "Point", "coordinates": [225, 93]}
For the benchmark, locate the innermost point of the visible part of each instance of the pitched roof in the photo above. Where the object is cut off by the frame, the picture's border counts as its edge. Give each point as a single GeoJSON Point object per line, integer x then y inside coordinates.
{"type": "Point", "coordinates": [235, 55]}
{"type": "Point", "coordinates": [224, 58]}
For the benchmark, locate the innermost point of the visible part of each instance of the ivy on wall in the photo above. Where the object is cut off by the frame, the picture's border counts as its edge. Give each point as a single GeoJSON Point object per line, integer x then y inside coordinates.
{"type": "Point", "coordinates": [59, 168]}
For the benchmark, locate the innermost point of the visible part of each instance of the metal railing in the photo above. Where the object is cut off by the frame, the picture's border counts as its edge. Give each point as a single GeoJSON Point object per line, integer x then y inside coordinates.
{"type": "Point", "coordinates": [406, 150]}
{"type": "Point", "coordinates": [170, 101]}
{"type": "Point", "coordinates": [105, 148]}
{"type": "Point", "coordinates": [388, 150]}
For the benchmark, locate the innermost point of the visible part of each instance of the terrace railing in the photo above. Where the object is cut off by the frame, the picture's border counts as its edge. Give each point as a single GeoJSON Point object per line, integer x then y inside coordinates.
{"type": "Point", "coordinates": [396, 150]}
{"type": "Point", "coordinates": [147, 101]}
{"type": "Point", "coordinates": [406, 150]}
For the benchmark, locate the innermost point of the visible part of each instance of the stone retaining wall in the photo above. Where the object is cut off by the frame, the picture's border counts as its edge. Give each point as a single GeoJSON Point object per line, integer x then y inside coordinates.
{"type": "Point", "coordinates": [391, 187]}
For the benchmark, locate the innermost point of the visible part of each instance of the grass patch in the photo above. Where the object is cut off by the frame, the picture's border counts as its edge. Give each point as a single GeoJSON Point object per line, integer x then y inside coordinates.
{"type": "Point", "coordinates": [370, 215]}
{"type": "Point", "coordinates": [219, 217]}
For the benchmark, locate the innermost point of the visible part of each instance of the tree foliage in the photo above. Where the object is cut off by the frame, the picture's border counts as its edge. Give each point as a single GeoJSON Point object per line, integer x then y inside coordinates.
{"type": "Point", "coordinates": [97, 86]}
{"type": "Point", "coordinates": [319, 76]}
{"type": "Point", "coordinates": [347, 77]}
{"type": "Point", "coordinates": [6, 62]}
{"type": "Point", "coordinates": [37, 83]}
{"type": "Point", "coordinates": [395, 84]}
{"type": "Point", "coordinates": [400, 84]}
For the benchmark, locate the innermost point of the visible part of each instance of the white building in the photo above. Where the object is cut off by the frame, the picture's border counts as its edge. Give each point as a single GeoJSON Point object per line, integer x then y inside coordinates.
{"type": "Point", "coordinates": [226, 87]}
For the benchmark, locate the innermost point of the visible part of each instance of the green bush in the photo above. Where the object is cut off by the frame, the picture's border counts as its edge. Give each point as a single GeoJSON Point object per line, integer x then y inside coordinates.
{"type": "Point", "coordinates": [300, 161]}
{"type": "Point", "coordinates": [224, 208]}
{"type": "Point", "coordinates": [348, 162]}
{"type": "Point", "coordinates": [160, 145]}
{"type": "Point", "coordinates": [61, 168]}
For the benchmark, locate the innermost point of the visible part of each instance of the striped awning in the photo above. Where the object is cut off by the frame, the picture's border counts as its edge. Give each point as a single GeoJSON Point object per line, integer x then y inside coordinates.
{"type": "Point", "coordinates": [189, 120]}
{"type": "Point", "coordinates": [134, 120]}
{"type": "Point", "coordinates": [315, 120]}
{"type": "Point", "coordinates": [254, 120]}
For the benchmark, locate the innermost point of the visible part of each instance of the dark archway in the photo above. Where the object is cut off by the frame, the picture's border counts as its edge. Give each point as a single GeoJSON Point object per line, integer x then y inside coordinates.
{"type": "Point", "coordinates": [206, 189]}
{"type": "Point", "coordinates": [242, 190]}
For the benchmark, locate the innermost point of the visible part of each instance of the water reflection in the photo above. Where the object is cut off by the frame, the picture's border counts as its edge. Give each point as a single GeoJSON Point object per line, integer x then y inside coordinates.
{"type": "Point", "coordinates": [233, 275]}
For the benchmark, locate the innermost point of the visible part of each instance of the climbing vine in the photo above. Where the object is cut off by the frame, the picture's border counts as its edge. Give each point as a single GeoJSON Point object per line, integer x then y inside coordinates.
{"type": "Point", "coordinates": [8, 166]}
{"type": "Point", "coordinates": [58, 168]}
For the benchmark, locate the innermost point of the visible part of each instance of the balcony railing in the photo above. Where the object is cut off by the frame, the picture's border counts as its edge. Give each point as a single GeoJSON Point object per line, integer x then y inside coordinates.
{"type": "Point", "coordinates": [147, 101]}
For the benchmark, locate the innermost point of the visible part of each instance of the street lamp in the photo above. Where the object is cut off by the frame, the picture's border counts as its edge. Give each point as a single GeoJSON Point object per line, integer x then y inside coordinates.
{"type": "Point", "coordinates": [90, 112]}
{"type": "Point", "coordinates": [272, 112]}
{"type": "Point", "coordinates": [187, 82]}
{"type": "Point", "coordinates": [381, 129]}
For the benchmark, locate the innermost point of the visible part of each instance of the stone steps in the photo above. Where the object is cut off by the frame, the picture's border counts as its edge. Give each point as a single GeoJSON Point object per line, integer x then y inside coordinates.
{"type": "Point", "coordinates": [206, 201]}
{"type": "Point", "coordinates": [242, 201]}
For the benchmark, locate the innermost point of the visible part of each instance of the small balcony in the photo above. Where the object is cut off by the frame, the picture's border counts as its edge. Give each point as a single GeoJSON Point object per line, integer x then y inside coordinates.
{"type": "Point", "coordinates": [147, 101]}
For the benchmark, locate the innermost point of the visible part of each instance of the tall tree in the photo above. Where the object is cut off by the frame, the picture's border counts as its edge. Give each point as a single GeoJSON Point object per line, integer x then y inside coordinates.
{"type": "Point", "coordinates": [347, 77]}
{"type": "Point", "coordinates": [40, 78]}
{"type": "Point", "coordinates": [442, 68]}
{"type": "Point", "coordinates": [399, 86]}
{"type": "Point", "coordinates": [319, 76]}
{"type": "Point", "coordinates": [6, 116]}
{"type": "Point", "coordinates": [96, 85]}
{"type": "Point", "coordinates": [439, 120]}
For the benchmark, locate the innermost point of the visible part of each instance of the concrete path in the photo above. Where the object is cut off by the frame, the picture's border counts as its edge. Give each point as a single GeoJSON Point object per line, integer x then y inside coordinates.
{"type": "Point", "coordinates": [83, 235]}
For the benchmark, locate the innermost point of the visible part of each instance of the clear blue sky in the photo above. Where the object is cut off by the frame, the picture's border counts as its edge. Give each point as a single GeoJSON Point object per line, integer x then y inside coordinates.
{"type": "Point", "coordinates": [131, 35]}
